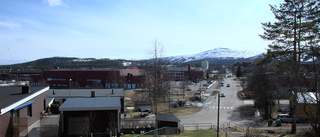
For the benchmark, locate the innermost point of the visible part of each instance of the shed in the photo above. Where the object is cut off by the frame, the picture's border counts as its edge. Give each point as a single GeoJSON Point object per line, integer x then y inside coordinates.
{"type": "Point", "coordinates": [83, 116]}
{"type": "Point", "coordinates": [170, 121]}
{"type": "Point", "coordinates": [167, 120]}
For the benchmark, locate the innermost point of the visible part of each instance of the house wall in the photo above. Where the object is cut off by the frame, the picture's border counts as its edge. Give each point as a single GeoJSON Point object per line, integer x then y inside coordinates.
{"type": "Point", "coordinates": [196, 74]}
{"type": "Point", "coordinates": [311, 109]}
{"type": "Point", "coordinates": [167, 124]}
{"type": "Point", "coordinates": [5, 130]}
{"type": "Point", "coordinates": [178, 75]}
{"type": "Point", "coordinates": [37, 107]}
{"type": "Point", "coordinates": [87, 79]}
{"type": "Point", "coordinates": [61, 79]}
{"type": "Point", "coordinates": [133, 82]}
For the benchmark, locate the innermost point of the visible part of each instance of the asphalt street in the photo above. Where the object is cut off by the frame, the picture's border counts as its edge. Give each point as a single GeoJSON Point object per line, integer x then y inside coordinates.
{"type": "Point", "coordinates": [228, 107]}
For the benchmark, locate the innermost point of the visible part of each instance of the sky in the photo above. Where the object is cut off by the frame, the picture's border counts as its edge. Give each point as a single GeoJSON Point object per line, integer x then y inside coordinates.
{"type": "Point", "coordinates": [127, 29]}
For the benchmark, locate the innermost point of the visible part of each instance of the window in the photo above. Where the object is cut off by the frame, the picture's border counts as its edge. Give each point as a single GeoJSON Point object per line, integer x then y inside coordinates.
{"type": "Point", "coordinates": [29, 111]}
{"type": "Point", "coordinates": [15, 116]}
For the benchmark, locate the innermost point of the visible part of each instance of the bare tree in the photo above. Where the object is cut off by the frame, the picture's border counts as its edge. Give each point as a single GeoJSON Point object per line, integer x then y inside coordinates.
{"type": "Point", "coordinates": [157, 84]}
{"type": "Point", "coordinates": [184, 85]}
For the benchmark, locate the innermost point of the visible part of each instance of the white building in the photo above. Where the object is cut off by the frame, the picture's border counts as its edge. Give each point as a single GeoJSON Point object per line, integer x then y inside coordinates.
{"type": "Point", "coordinates": [204, 64]}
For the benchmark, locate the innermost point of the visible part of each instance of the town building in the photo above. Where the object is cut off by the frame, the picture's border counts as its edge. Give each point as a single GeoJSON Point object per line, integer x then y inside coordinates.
{"type": "Point", "coordinates": [24, 75]}
{"type": "Point", "coordinates": [245, 66]}
{"type": "Point", "coordinates": [65, 79]}
{"type": "Point", "coordinates": [20, 108]}
{"type": "Point", "coordinates": [186, 73]}
{"type": "Point", "coordinates": [204, 64]}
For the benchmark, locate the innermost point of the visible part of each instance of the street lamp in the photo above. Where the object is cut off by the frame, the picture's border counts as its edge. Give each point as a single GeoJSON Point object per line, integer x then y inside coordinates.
{"type": "Point", "coordinates": [218, 115]}
{"type": "Point", "coordinates": [70, 86]}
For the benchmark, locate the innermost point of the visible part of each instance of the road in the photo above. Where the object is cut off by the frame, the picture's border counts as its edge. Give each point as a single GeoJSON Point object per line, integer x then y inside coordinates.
{"type": "Point", "coordinates": [228, 107]}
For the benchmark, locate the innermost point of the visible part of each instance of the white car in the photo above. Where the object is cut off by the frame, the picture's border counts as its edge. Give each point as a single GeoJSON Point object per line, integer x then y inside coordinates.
{"type": "Point", "coordinates": [150, 116]}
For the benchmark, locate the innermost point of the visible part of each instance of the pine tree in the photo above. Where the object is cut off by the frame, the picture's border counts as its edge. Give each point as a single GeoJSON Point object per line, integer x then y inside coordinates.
{"type": "Point", "coordinates": [239, 72]}
{"type": "Point", "coordinates": [289, 36]}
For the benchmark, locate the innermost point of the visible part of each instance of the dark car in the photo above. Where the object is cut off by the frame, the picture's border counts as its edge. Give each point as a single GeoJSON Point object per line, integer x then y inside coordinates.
{"type": "Point", "coordinates": [285, 118]}
{"type": "Point", "coordinates": [228, 85]}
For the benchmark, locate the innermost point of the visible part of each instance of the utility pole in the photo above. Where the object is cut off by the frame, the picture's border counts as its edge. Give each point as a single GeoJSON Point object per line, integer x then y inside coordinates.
{"type": "Point", "coordinates": [218, 115]}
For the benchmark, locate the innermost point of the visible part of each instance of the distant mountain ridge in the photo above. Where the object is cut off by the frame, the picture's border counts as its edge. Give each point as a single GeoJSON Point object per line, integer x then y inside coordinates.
{"type": "Point", "coordinates": [69, 62]}
{"type": "Point", "coordinates": [218, 55]}
{"type": "Point", "coordinates": [215, 54]}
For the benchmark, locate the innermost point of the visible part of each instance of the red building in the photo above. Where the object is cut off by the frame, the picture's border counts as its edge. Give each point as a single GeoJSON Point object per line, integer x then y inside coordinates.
{"type": "Point", "coordinates": [190, 73]}
{"type": "Point", "coordinates": [64, 79]}
{"type": "Point", "coordinates": [80, 78]}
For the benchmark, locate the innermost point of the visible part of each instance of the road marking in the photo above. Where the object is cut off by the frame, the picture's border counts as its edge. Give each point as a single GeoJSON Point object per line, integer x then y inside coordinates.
{"type": "Point", "coordinates": [222, 107]}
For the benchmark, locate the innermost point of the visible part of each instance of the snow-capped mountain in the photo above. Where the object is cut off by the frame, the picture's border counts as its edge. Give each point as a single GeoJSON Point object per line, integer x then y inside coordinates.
{"type": "Point", "coordinates": [218, 53]}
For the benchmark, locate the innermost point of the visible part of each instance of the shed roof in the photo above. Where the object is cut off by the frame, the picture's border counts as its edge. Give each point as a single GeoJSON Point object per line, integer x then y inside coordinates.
{"type": "Point", "coordinates": [97, 103]}
{"type": "Point", "coordinates": [167, 117]}
{"type": "Point", "coordinates": [307, 97]}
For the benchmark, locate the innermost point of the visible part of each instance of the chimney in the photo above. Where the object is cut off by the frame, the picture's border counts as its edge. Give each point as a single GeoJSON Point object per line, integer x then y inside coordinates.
{"type": "Point", "coordinates": [25, 89]}
{"type": "Point", "coordinates": [93, 94]}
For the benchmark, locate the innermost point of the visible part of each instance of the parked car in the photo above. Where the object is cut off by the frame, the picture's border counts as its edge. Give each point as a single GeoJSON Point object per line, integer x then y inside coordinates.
{"type": "Point", "coordinates": [150, 116]}
{"type": "Point", "coordinates": [222, 95]}
{"type": "Point", "coordinates": [228, 85]}
{"type": "Point", "coordinates": [285, 118]}
{"type": "Point", "coordinates": [191, 83]}
{"type": "Point", "coordinates": [189, 88]}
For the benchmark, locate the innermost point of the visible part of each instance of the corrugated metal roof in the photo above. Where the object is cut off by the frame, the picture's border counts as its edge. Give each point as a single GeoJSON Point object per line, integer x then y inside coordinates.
{"type": "Point", "coordinates": [306, 97]}
{"type": "Point", "coordinates": [97, 103]}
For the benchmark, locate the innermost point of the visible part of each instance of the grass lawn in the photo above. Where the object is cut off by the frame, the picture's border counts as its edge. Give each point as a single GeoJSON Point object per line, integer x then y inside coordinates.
{"type": "Point", "coordinates": [197, 133]}
{"type": "Point", "coordinates": [183, 111]}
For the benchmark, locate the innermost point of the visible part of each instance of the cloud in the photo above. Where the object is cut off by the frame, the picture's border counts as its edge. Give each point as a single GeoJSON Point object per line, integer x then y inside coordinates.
{"type": "Point", "coordinates": [10, 24]}
{"type": "Point", "coordinates": [54, 2]}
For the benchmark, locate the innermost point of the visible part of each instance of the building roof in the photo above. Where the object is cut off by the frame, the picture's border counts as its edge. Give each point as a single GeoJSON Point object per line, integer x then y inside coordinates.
{"type": "Point", "coordinates": [306, 97]}
{"type": "Point", "coordinates": [66, 93]}
{"type": "Point", "coordinates": [11, 97]}
{"type": "Point", "coordinates": [167, 117]}
{"type": "Point", "coordinates": [87, 104]}
{"type": "Point", "coordinates": [177, 69]}
{"type": "Point", "coordinates": [27, 72]}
